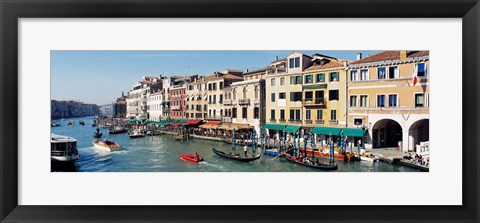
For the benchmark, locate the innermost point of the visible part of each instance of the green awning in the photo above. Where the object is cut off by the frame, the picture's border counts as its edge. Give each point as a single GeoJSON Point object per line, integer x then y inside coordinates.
{"type": "Point", "coordinates": [326, 130]}
{"type": "Point", "coordinates": [182, 120]}
{"type": "Point", "coordinates": [142, 119]}
{"type": "Point", "coordinates": [274, 127]}
{"type": "Point", "coordinates": [358, 132]}
{"type": "Point", "coordinates": [292, 128]}
{"type": "Point", "coordinates": [315, 86]}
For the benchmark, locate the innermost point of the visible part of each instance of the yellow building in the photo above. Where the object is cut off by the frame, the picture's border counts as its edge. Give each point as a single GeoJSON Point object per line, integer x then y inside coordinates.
{"type": "Point", "coordinates": [383, 98]}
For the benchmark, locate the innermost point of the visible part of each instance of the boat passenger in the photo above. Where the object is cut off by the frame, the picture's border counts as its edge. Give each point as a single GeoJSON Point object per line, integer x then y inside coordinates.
{"type": "Point", "coordinates": [197, 157]}
{"type": "Point", "coordinates": [245, 150]}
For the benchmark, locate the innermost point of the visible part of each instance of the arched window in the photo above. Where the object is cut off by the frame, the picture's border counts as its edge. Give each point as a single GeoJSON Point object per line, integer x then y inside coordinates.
{"type": "Point", "coordinates": [256, 92]}
{"type": "Point", "coordinates": [245, 92]}
{"type": "Point", "coordinates": [234, 94]}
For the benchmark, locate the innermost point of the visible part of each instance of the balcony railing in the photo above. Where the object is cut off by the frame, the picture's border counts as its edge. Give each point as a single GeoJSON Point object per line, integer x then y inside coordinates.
{"type": "Point", "coordinates": [282, 120]}
{"type": "Point", "coordinates": [295, 121]}
{"type": "Point", "coordinates": [308, 121]}
{"type": "Point", "coordinates": [244, 101]}
{"type": "Point", "coordinates": [333, 122]}
{"type": "Point", "coordinates": [227, 119]}
{"type": "Point", "coordinates": [175, 107]}
{"type": "Point", "coordinates": [214, 117]}
{"type": "Point", "coordinates": [272, 120]}
{"type": "Point", "coordinates": [256, 101]}
{"type": "Point", "coordinates": [319, 121]}
{"type": "Point", "coordinates": [198, 109]}
{"type": "Point", "coordinates": [227, 102]}
{"type": "Point", "coordinates": [313, 101]}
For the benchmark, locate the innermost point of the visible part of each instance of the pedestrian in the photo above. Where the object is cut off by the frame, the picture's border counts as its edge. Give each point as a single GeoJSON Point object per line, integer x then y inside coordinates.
{"type": "Point", "coordinates": [245, 150]}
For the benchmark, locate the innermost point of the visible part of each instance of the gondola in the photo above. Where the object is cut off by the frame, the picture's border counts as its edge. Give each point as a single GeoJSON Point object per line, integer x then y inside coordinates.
{"type": "Point", "coordinates": [239, 158]}
{"type": "Point", "coordinates": [97, 135]}
{"type": "Point", "coordinates": [321, 166]}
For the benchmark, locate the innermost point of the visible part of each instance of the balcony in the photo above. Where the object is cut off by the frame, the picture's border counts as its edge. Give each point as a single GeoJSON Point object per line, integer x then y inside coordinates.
{"type": "Point", "coordinates": [313, 102]}
{"type": "Point", "coordinates": [244, 101]}
{"type": "Point", "coordinates": [227, 102]}
{"type": "Point", "coordinates": [175, 107]}
{"type": "Point", "coordinates": [213, 117]}
{"type": "Point", "coordinates": [282, 120]}
{"type": "Point", "coordinates": [333, 122]}
{"type": "Point", "coordinates": [226, 119]}
{"type": "Point", "coordinates": [319, 121]}
{"type": "Point", "coordinates": [272, 120]}
{"type": "Point", "coordinates": [295, 121]}
{"type": "Point", "coordinates": [256, 102]}
{"type": "Point", "coordinates": [308, 121]}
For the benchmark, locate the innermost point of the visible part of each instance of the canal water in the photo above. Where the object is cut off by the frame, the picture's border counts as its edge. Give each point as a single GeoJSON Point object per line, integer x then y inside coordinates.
{"type": "Point", "coordinates": [160, 154]}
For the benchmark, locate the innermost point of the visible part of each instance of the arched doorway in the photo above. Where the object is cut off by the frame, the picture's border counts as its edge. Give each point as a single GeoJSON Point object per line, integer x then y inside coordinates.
{"type": "Point", "coordinates": [418, 132]}
{"type": "Point", "coordinates": [386, 133]}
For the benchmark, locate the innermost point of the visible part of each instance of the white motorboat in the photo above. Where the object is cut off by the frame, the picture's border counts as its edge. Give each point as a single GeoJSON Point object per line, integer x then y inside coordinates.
{"type": "Point", "coordinates": [63, 148]}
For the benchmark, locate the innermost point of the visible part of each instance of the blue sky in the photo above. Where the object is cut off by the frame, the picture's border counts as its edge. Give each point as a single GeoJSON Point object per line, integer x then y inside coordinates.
{"type": "Point", "coordinates": [100, 76]}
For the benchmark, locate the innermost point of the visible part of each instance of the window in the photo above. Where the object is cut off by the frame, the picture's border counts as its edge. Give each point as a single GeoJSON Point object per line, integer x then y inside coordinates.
{"type": "Point", "coordinates": [421, 70]}
{"type": "Point", "coordinates": [204, 107]}
{"type": "Point", "coordinates": [358, 121]}
{"type": "Point", "coordinates": [392, 100]}
{"type": "Point", "coordinates": [209, 87]}
{"type": "Point", "coordinates": [364, 74]}
{"type": "Point", "coordinates": [214, 86]}
{"type": "Point", "coordinates": [272, 114]}
{"type": "Point", "coordinates": [380, 100]}
{"type": "Point", "coordinates": [290, 63]}
{"type": "Point", "coordinates": [256, 112]}
{"type": "Point", "coordinates": [298, 80]}
{"type": "Point", "coordinates": [381, 73]}
{"type": "Point", "coordinates": [353, 75]}
{"type": "Point", "coordinates": [282, 95]}
{"type": "Point", "coordinates": [295, 96]}
{"type": "Point", "coordinates": [220, 100]}
{"type": "Point", "coordinates": [272, 97]}
{"type": "Point", "coordinates": [214, 99]}
{"type": "Point", "coordinates": [333, 115]}
{"type": "Point", "coordinates": [297, 62]}
{"type": "Point", "coordinates": [308, 95]}
{"type": "Point", "coordinates": [256, 92]}
{"type": "Point", "coordinates": [292, 80]}
{"type": "Point", "coordinates": [333, 95]}
{"type": "Point", "coordinates": [319, 114]}
{"type": "Point", "coordinates": [282, 114]}
{"type": "Point", "coordinates": [210, 99]}
{"type": "Point", "coordinates": [272, 82]}
{"type": "Point", "coordinates": [363, 101]}
{"type": "Point", "coordinates": [308, 79]}
{"type": "Point", "coordinates": [353, 101]}
{"type": "Point", "coordinates": [334, 77]}
{"type": "Point", "coordinates": [419, 100]}
{"type": "Point", "coordinates": [392, 72]}
{"type": "Point", "coordinates": [308, 114]}
{"type": "Point", "coordinates": [187, 115]}
{"type": "Point", "coordinates": [295, 114]}
{"type": "Point", "coordinates": [245, 92]}
{"type": "Point", "coordinates": [244, 112]}
{"type": "Point", "coordinates": [320, 78]}
{"type": "Point", "coordinates": [234, 113]}
{"type": "Point", "coordinates": [282, 81]}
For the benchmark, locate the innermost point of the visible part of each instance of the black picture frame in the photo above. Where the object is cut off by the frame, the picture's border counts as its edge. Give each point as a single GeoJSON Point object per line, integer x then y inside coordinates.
{"type": "Point", "coordinates": [11, 11]}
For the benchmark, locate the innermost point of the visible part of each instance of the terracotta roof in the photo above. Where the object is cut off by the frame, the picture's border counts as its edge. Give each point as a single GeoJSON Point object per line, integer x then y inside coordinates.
{"type": "Point", "coordinates": [328, 65]}
{"type": "Point", "coordinates": [231, 76]}
{"type": "Point", "coordinates": [390, 55]}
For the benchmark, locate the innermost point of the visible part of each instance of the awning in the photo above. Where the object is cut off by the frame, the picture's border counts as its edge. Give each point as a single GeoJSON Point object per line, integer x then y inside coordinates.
{"type": "Point", "coordinates": [194, 122]}
{"type": "Point", "coordinates": [274, 127]}
{"type": "Point", "coordinates": [142, 119]}
{"type": "Point", "coordinates": [165, 103]}
{"type": "Point", "coordinates": [210, 125]}
{"type": "Point", "coordinates": [225, 126]}
{"type": "Point", "coordinates": [326, 130]}
{"type": "Point", "coordinates": [356, 132]}
{"type": "Point", "coordinates": [292, 128]}
{"type": "Point", "coordinates": [235, 126]}
{"type": "Point", "coordinates": [315, 86]}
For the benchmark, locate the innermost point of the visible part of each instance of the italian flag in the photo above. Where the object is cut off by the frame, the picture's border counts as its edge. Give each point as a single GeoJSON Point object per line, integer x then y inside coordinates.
{"type": "Point", "coordinates": [414, 75]}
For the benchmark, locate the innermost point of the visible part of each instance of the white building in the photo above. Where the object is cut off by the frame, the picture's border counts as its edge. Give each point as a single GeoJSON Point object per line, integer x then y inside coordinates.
{"type": "Point", "coordinates": [137, 99]}
{"type": "Point", "coordinates": [106, 110]}
{"type": "Point", "coordinates": [155, 108]}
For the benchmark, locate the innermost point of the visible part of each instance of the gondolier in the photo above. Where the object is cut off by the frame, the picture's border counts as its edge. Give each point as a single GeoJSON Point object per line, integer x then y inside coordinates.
{"type": "Point", "coordinates": [245, 150]}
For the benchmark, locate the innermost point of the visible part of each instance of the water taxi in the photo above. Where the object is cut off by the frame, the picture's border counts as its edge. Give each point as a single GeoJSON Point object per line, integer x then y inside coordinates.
{"type": "Point", "coordinates": [106, 144]}
{"type": "Point", "coordinates": [136, 134]}
{"type": "Point", "coordinates": [63, 148]}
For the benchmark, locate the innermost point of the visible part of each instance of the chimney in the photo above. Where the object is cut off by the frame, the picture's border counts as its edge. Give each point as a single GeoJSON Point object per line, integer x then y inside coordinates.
{"type": "Point", "coordinates": [359, 56]}
{"type": "Point", "coordinates": [403, 55]}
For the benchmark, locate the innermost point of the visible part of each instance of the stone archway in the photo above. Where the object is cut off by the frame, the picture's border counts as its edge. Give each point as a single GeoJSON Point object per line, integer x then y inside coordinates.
{"type": "Point", "coordinates": [418, 132]}
{"type": "Point", "coordinates": [386, 133]}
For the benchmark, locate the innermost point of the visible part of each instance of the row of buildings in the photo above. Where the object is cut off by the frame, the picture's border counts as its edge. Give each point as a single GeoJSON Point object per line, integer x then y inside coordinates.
{"type": "Point", "coordinates": [66, 109]}
{"type": "Point", "coordinates": [384, 96]}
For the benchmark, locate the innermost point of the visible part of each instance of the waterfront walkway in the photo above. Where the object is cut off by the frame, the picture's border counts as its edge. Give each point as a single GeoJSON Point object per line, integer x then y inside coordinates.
{"type": "Point", "coordinates": [389, 155]}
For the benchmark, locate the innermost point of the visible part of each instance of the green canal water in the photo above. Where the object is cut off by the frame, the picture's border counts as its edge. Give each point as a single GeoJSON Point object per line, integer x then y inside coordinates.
{"type": "Point", "coordinates": [160, 154]}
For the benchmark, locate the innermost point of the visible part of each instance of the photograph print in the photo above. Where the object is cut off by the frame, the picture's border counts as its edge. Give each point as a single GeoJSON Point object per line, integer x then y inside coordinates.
{"type": "Point", "coordinates": [240, 111]}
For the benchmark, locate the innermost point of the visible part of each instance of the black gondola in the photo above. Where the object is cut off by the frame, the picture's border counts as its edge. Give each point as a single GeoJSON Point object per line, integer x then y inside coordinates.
{"type": "Point", "coordinates": [243, 159]}
{"type": "Point", "coordinates": [321, 166]}
{"type": "Point", "coordinates": [97, 135]}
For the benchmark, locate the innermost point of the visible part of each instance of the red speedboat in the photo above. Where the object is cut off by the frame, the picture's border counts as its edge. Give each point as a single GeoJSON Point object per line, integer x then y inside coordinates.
{"type": "Point", "coordinates": [190, 158]}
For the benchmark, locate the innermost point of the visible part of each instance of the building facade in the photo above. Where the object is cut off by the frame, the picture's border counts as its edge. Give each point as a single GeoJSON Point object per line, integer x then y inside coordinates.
{"type": "Point", "coordinates": [177, 102]}
{"type": "Point", "coordinates": [388, 94]}
{"type": "Point", "coordinates": [155, 108]}
{"type": "Point", "coordinates": [137, 98]}
{"type": "Point", "coordinates": [67, 109]}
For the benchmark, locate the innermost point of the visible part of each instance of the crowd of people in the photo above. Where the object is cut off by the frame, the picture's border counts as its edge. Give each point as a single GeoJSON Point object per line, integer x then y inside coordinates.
{"type": "Point", "coordinates": [417, 159]}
